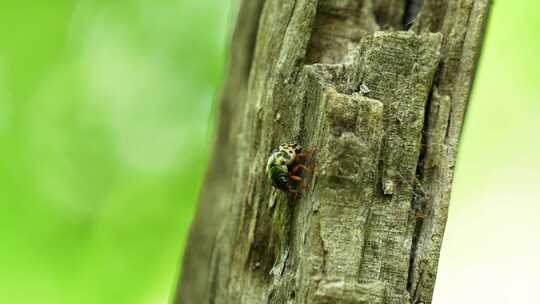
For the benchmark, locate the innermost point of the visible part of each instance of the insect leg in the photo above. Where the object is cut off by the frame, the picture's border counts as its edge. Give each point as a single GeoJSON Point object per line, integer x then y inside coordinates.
{"type": "Point", "coordinates": [298, 179]}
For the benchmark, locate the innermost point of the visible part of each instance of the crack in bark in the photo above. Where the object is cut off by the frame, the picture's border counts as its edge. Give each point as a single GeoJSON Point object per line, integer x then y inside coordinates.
{"type": "Point", "coordinates": [323, 251]}
{"type": "Point", "coordinates": [416, 236]}
{"type": "Point", "coordinates": [412, 8]}
{"type": "Point", "coordinates": [414, 298]}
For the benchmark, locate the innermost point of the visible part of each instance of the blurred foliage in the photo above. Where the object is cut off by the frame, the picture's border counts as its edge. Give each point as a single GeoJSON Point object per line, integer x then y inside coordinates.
{"type": "Point", "coordinates": [105, 119]}
{"type": "Point", "coordinates": [104, 132]}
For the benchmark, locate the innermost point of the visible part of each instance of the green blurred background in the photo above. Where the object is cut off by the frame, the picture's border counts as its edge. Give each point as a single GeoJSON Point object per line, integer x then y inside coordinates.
{"type": "Point", "coordinates": [106, 111]}
{"type": "Point", "coordinates": [105, 126]}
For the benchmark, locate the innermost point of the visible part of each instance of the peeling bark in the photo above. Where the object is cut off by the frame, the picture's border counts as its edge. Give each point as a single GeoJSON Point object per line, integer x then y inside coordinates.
{"type": "Point", "coordinates": [385, 108]}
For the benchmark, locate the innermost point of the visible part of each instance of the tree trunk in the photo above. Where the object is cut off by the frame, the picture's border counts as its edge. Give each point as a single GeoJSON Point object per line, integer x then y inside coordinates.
{"type": "Point", "coordinates": [380, 87]}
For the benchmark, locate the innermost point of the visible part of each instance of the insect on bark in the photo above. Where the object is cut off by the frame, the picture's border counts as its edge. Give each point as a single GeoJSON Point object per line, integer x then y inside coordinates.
{"type": "Point", "coordinates": [285, 166]}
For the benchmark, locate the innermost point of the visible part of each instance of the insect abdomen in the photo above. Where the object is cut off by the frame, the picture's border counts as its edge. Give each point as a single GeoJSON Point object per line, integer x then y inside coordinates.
{"type": "Point", "coordinates": [279, 177]}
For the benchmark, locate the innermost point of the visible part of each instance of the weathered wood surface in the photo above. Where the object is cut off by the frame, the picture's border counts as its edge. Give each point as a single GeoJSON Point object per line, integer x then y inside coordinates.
{"type": "Point", "coordinates": [381, 88]}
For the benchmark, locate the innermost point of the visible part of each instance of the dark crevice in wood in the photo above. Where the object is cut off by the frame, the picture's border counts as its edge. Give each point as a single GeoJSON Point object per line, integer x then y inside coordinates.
{"type": "Point", "coordinates": [419, 199]}
{"type": "Point", "coordinates": [414, 295]}
{"type": "Point", "coordinates": [447, 134]}
{"type": "Point", "coordinates": [323, 250]}
{"type": "Point", "coordinates": [338, 28]}
{"type": "Point", "coordinates": [412, 8]}
{"type": "Point", "coordinates": [389, 14]}
{"type": "Point", "coordinates": [416, 236]}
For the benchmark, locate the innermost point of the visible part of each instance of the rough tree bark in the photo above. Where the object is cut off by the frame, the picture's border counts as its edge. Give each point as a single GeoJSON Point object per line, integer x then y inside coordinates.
{"type": "Point", "coordinates": [381, 88]}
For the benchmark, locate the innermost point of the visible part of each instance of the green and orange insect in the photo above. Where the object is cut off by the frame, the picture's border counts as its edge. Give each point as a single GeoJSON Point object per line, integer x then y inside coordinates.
{"type": "Point", "coordinates": [285, 165]}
